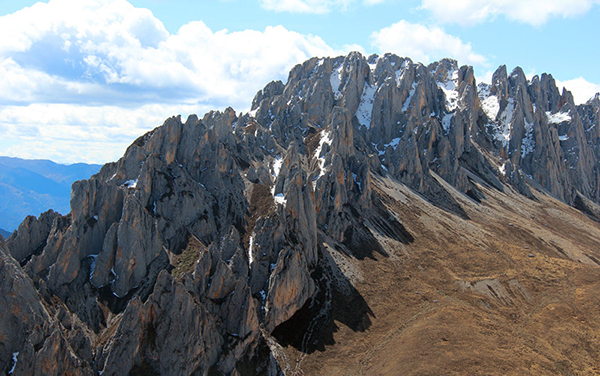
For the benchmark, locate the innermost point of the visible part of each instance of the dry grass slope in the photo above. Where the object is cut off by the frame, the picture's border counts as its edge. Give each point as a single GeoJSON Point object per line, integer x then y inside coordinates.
{"type": "Point", "coordinates": [514, 290]}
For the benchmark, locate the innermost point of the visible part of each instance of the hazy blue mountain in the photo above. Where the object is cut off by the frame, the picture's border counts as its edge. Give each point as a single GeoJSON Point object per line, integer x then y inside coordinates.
{"type": "Point", "coordinates": [5, 233]}
{"type": "Point", "coordinates": [30, 187]}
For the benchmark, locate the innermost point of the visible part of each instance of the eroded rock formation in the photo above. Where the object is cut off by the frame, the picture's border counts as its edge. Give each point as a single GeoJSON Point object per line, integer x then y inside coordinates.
{"type": "Point", "coordinates": [187, 254]}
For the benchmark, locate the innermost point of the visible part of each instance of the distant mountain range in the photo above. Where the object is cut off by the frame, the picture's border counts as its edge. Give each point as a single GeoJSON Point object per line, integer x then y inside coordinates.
{"type": "Point", "coordinates": [30, 187]}
{"type": "Point", "coordinates": [5, 233]}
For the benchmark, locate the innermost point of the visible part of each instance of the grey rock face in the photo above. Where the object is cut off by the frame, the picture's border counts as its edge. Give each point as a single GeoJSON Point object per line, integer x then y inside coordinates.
{"type": "Point", "coordinates": [31, 236]}
{"type": "Point", "coordinates": [187, 254]}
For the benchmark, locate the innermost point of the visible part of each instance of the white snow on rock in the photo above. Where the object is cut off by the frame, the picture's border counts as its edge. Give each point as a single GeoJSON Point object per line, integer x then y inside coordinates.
{"type": "Point", "coordinates": [373, 65]}
{"type": "Point", "coordinates": [447, 121]}
{"type": "Point", "coordinates": [503, 169]}
{"type": "Point", "coordinates": [15, 357]}
{"type": "Point", "coordinates": [505, 125]}
{"type": "Point", "coordinates": [450, 89]}
{"type": "Point", "coordinates": [400, 72]}
{"type": "Point", "coordinates": [279, 199]}
{"type": "Point", "coordinates": [394, 143]}
{"type": "Point", "coordinates": [275, 169]}
{"type": "Point", "coordinates": [563, 137]}
{"type": "Point", "coordinates": [365, 107]}
{"type": "Point", "coordinates": [325, 139]}
{"type": "Point", "coordinates": [528, 144]}
{"type": "Point", "coordinates": [489, 103]}
{"type": "Point", "coordinates": [277, 162]}
{"type": "Point", "coordinates": [336, 80]}
{"type": "Point", "coordinates": [251, 245]}
{"type": "Point", "coordinates": [557, 118]}
{"type": "Point", "coordinates": [491, 106]}
{"type": "Point", "coordinates": [410, 95]}
{"type": "Point", "coordinates": [131, 184]}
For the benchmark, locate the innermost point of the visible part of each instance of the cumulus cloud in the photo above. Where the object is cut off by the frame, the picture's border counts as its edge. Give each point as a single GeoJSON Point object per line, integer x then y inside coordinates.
{"type": "Point", "coordinates": [304, 6]}
{"type": "Point", "coordinates": [581, 89]}
{"type": "Point", "coordinates": [88, 47]}
{"type": "Point", "coordinates": [85, 62]}
{"type": "Point", "coordinates": [312, 6]}
{"type": "Point", "coordinates": [77, 133]}
{"type": "Point", "coordinates": [424, 44]}
{"type": "Point", "coordinates": [534, 12]}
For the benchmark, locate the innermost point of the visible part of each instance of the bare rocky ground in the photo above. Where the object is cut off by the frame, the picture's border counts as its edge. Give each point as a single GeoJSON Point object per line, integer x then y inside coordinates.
{"type": "Point", "coordinates": [515, 290]}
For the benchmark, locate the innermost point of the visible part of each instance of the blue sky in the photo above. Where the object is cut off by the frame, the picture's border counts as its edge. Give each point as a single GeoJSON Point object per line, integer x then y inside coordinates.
{"type": "Point", "coordinates": [81, 79]}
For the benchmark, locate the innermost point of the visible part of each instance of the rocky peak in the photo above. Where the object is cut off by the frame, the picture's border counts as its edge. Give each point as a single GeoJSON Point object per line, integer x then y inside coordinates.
{"type": "Point", "coordinates": [219, 223]}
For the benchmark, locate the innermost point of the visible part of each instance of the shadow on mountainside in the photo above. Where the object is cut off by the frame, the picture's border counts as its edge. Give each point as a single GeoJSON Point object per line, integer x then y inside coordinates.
{"type": "Point", "coordinates": [312, 327]}
{"type": "Point", "coordinates": [359, 241]}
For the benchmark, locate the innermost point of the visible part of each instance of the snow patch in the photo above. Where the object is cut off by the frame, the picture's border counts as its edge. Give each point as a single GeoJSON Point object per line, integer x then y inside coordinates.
{"type": "Point", "coordinates": [325, 139]}
{"type": "Point", "coordinates": [557, 118]}
{"type": "Point", "coordinates": [489, 103]}
{"type": "Point", "coordinates": [505, 126]}
{"type": "Point", "coordinates": [564, 137]}
{"type": "Point", "coordinates": [15, 357]}
{"type": "Point", "coordinates": [449, 87]}
{"type": "Point", "coordinates": [131, 184]}
{"type": "Point", "coordinates": [447, 121]}
{"type": "Point", "coordinates": [276, 168]}
{"type": "Point", "coordinates": [365, 108]}
{"type": "Point", "coordinates": [279, 199]}
{"type": "Point", "coordinates": [491, 106]}
{"type": "Point", "coordinates": [373, 65]}
{"type": "Point", "coordinates": [410, 95]}
{"type": "Point", "coordinates": [528, 143]}
{"type": "Point", "coordinates": [502, 169]}
{"type": "Point", "coordinates": [336, 80]}
{"type": "Point", "coordinates": [394, 143]}
{"type": "Point", "coordinates": [250, 256]}
{"type": "Point", "coordinates": [277, 162]}
{"type": "Point", "coordinates": [400, 72]}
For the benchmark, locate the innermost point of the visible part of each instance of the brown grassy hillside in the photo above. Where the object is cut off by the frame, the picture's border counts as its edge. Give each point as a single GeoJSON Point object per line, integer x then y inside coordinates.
{"type": "Point", "coordinates": [514, 290]}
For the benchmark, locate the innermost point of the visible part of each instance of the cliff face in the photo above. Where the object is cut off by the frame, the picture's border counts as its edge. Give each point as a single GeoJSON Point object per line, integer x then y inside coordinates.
{"type": "Point", "coordinates": [199, 247]}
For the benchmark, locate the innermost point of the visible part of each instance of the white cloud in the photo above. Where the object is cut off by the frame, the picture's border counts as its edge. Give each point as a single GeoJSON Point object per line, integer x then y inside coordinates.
{"type": "Point", "coordinates": [304, 6]}
{"type": "Point", "coordinates": [312, 6]}
{"type": "Point", "coordinates": [535, 12]}
{"type": "Point", "coordinates": [96, 67]}
{"type": "Point", "coordinates": [424, 44]}
{"type": "Point", "coordinates": [109, 46]}
{"type": "Point", "coordinates": [485, 78]}
{"type": "Point", "coordinates": [581, 89]}
{"type": "Point", "coordinates": [77, 133]}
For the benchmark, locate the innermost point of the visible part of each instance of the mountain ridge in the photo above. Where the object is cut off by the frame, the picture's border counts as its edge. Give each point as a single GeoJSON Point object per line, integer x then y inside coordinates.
{"type": "Point", "coordinates": [210, 241]}
{"type": "Point", "coordinates": [34, 186]}
{"type": "Point", "coordinates": [5, 233]}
